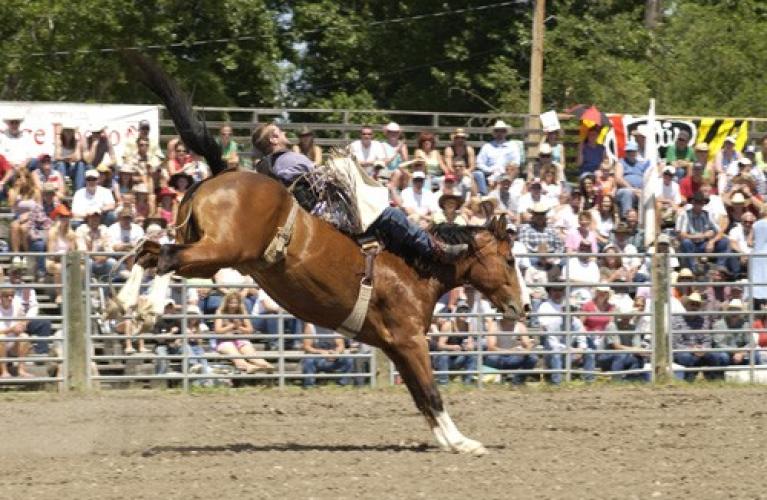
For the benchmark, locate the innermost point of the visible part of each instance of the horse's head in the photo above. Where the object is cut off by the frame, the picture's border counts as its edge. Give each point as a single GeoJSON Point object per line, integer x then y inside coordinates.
{"type": "Point", "coordinates": [492, 270]}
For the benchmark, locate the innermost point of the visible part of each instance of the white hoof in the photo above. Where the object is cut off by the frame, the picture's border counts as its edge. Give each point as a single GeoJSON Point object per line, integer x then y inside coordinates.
{"type": "Point", "coordinates": [471, 447]}
{"type": "Point", "coordinates": [450, 439]}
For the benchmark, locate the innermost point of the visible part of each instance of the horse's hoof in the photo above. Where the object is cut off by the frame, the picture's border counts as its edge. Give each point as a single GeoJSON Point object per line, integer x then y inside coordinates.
{"type": "Point", "coordinates": [471, 447]}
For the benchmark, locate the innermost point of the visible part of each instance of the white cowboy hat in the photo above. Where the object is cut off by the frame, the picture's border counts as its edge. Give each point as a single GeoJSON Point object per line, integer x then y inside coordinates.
{"type": "Point", "coordinates": [500, 124]}
{"type": "Point", "coordinates": [392, 127]}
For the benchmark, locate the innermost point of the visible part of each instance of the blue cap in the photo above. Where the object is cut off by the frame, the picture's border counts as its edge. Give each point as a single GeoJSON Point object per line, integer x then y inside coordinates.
{"type": "Point", "coordinates": [631, 146]}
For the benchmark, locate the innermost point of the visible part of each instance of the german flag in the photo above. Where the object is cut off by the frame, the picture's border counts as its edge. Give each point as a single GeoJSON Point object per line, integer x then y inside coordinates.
{"type": "Point", "coordinates": [714, 131]}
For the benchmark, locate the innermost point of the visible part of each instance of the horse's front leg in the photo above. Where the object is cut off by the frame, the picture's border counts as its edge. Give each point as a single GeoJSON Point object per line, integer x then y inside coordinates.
{"type": "Point", "coordinates": [411, 355]}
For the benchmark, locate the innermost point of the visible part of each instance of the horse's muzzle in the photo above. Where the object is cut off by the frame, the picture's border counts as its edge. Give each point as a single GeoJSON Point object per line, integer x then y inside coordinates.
{"type": "Point", "coordinates": [514, 312]}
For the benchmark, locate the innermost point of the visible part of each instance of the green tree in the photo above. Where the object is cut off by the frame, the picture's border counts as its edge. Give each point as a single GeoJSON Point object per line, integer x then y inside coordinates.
{"type": "Point", "coordinates": [231, 73]}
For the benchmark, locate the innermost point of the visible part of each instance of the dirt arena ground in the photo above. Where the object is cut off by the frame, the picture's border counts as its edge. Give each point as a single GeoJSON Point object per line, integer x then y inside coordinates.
{"type": "Point", "coordinates": [604, 442]}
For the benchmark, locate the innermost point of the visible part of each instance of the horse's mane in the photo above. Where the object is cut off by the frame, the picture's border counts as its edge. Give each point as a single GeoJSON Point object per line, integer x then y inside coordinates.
{"type": "Point", "coordinates": [455, 234]}
{"type": "Point", "coordinates": [452, 234]}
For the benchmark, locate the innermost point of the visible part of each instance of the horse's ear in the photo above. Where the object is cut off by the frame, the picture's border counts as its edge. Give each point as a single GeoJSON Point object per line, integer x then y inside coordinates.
{"type": "Point", "coordinates": [499, 226]}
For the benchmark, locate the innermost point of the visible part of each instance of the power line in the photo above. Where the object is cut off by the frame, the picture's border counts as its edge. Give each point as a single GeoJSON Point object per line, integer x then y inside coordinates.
{"type": "Point", "coordinates": [406, 69]}
{"type": "Point", "coordinates": [247, 38]}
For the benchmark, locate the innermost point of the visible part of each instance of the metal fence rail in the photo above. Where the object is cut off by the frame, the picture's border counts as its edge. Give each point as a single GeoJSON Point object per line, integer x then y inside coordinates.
{"type": "Point", "coordinates": [88, 351]}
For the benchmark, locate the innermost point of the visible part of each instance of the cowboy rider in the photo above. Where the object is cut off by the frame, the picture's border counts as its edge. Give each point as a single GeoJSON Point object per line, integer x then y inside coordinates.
{"type": "Point", "coordinates": [391, 227]}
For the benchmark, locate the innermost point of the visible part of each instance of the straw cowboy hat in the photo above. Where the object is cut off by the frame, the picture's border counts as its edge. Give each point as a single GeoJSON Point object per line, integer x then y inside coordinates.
{"type": "Point", "coordinates": [392, 127]}
{"type": "Point", "coordinates": [408, 165]}
{"type": "Point", "coordinates": [500, 125]}
{"type": "Point", "coordinates": [701, 146]}
{"type": "Point", "coordinates": [447, 197]}
{"type": "Point", "coordinates": [539, 208]}
{"type": "Point", "coordinates": [693, 298]}
{"type": "Point", "coordinates": [459, 132]}
{"type": "Point", "coordinates": [736, 304]}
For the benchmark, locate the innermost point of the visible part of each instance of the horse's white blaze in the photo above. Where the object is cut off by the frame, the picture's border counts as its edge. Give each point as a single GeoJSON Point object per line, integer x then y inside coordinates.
{"type": "Point", "coordinates": [522, 286]}
{"type": "Point", "coordinates": [449, 437]}
{"type": "Point", "coordinates": [128, 296]}
{"type": "Point", "coordinates": [158, 292]}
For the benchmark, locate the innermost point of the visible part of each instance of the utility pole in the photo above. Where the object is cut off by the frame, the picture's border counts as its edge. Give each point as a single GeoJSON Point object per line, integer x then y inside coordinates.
{"type": "Point", "coordinates": [536, 79]}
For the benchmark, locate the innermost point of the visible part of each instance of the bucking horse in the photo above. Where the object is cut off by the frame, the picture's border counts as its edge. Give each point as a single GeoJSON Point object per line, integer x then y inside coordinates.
{"type": "Point", "coordinates": [248, 221]}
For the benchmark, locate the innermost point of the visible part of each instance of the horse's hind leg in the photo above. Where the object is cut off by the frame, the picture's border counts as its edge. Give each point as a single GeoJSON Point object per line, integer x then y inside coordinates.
{"type": "Point", "coordinates": [411, 356]}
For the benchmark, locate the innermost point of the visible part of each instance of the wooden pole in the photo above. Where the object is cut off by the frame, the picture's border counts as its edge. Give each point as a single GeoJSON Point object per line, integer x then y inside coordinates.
{"type": "Point", "coordinates": [661, 310]}
{"type": "Point", "coordinates": [536, 81]}
{"type": "Point", "coordinates": [77, 343]}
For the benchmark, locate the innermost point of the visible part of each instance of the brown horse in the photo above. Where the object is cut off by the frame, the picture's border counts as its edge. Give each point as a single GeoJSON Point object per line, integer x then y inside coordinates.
{"type": "Point", "coordinates": [231, 218]}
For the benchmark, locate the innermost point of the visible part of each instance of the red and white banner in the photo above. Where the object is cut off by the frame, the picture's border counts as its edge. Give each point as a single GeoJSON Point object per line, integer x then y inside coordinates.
{"type": "Point", "coordinates": [120, 119]}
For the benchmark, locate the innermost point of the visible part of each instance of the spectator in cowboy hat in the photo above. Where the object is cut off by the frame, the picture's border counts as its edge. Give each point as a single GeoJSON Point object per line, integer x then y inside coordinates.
{"type": "Point", "coordinates": [536, 232]}
{"type": "Point", "coordinates": [394, 147]}
{"type": "Point", "coordinates": [533, 196]}
{"type": "Point", "coordinates": [180, 182]}
{"type": "Point", "coordinates": [483, 208]}
{"type": "Point", "coordinates": [629, 177]}
{"type": "Point", "coordinates": [506, 200]}
{"type": "Point", "coordinates": [306, 145]}
{"type": "Point", "coordinates": [621, 235]}
{"type": "Point", "coordinates": [734, 331]}
{"type": "Point", "coordinates": [92, 198]}
{"type": "Point", "coordinates": [495, 155]}
{"type": "Point", "coordinates": [15, 145]}
{"type": "Point", "coordinates": [698, 234]}
{"type": "Point", "coordinates": [458, 150]}
{"type": "Point", "coordinates": [695, 335]}
{"type": "Point", "coordinates": [449, 186]}
{"type": "Point", "coordinates": [450, 206]}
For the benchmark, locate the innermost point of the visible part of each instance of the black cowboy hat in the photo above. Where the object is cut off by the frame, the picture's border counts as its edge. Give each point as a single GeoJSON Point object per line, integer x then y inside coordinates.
{"type": "Point", "coordinates": [175, 177]}
{"type": "Point", "coordinates": [446, 197]}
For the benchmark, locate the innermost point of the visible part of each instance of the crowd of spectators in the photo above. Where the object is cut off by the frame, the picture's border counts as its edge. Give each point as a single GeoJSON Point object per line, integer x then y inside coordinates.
{"type": "Point", "coordinates": [82, 196]}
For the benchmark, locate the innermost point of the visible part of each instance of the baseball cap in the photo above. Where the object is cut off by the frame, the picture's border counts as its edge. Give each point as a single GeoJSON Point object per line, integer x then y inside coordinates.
{"type": "Point", "coordinates": [418, 175]}
{"type": "Point", "coordinates": [144, 124]}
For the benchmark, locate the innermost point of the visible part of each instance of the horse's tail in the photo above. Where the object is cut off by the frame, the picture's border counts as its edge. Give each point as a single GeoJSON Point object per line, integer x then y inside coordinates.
{"type": "Point", "coordinates": [194, 133]}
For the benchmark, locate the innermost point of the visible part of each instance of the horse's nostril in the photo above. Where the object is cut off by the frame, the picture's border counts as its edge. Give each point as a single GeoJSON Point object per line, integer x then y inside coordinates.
{"type": "Point", "coordinates": [527, 308]}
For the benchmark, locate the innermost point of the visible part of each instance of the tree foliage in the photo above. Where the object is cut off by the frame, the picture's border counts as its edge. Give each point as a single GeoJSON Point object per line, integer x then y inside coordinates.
{"type": "Point", "coordinates": [703, 57]}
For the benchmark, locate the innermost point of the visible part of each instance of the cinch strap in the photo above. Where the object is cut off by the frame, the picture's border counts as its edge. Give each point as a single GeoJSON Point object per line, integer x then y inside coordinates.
{"type": "Point", "coordinates": [353, 323]}
{"type": "Point", "coordinates": [275, 252]}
